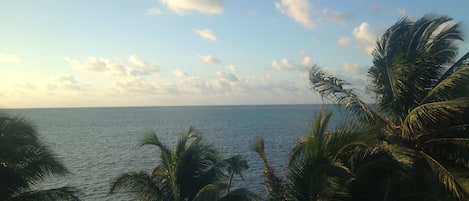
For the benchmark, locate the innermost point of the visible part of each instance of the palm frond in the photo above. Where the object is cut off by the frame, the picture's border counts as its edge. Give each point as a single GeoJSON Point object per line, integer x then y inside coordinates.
{"type": "Point", "coordinates": [240, 194]}
{"type": "Point", "coordinates": [455, 150]}
{"type": "Point", "coordinates": [455, 85]}
{"type": "Point", "coordinates": [433, 115]}
{"type": "Point", "coordinates": [332, 88]}
{"type": "Point", "coordinates": [208, 192]}
{"type": "Point", "coordinates": [273, 184]}
{"type": "Point", "coordinates": [139, 183]}
{"type": "Point", "coordinates": [463, 61]}
{"type": "Point", "coordinates": [151, 138]}
{"type": "Point", "coordinates": [446, 178]}
{"type": "Point", "coordinates": [317, 178]}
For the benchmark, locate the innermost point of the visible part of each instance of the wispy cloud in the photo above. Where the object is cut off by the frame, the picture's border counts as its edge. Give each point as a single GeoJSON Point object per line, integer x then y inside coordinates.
{"type": "Point", "coordinates": [209, 59]}
{"type": "Point", "coordinates": [135, 66]}
{"type": "Point", "coordinates": [183, 7]}
{"type": "Point", "coordinates": [298, 10]}
{"type": "Point", "coordinates": [206, 34]}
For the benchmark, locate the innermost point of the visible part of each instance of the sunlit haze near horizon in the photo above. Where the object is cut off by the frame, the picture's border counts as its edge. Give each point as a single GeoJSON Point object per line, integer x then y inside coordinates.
{"type": "Point", "coordinates": [57, 53]}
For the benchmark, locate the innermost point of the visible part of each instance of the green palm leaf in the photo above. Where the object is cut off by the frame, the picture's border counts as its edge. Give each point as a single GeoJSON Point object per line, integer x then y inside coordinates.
{"type": "Point", "coordinates": [447, 178]}
{"type": "Point", "coordinates": [434, 115]}
{"type": "Point", "coordinates": [455, 150]}
{"type": "Point", "coordinates": [333, 88]}
{"type": "Point", "coordinates": [455, 85]}
{"type": "Point", "coordinates": [140, 183]}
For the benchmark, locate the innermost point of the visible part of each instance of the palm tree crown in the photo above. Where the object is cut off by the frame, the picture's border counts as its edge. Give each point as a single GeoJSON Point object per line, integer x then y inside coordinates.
{"type": "Point", "coordinates": [191, 171]}
{"type": "Point", "coordinates": [25, 161]}
{"type": "Point", "coordinates": [422, 101]}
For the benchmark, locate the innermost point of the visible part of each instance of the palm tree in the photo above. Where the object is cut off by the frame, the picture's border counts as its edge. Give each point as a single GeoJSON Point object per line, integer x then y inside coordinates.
{"type": "Point", "coordinates": [25, 161]}
{"type": "Point", "coordinates": [330, 165]}
{"type": "Point", "coordinates": [422, 101]}
{"type": "Point", "coordinates": [190, 171]}
{"type": "Point", "coordinates": [235, 165]}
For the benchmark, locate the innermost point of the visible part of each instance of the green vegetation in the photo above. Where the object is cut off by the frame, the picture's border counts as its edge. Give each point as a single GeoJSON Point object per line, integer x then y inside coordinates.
{"type": "Point", "coordinates": [422, 101]}
{"type": "Point", "coordinates": [413, 146]}
{"type": "Point", "coordinates": [191, 171]}
{"type": "Point", "coordinates": [25, 162]}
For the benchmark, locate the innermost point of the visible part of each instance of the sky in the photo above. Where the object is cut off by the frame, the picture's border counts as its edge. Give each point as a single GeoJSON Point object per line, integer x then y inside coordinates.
{"type": "Point", "coordinates": [57, 53]}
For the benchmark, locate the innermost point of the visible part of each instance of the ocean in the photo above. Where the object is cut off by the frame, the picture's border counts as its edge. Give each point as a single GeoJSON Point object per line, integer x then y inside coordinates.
{"type": "Point", "coordinates": [98, 144]}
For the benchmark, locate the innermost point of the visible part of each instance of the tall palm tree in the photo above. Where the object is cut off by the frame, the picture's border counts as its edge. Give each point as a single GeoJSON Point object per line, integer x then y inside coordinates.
{"type": "Point", "coordinates": [25, 161]}
{"type": "Point", "coordinates": [422, 104]}
{"type": "Point", "coordinates": [191, 171]}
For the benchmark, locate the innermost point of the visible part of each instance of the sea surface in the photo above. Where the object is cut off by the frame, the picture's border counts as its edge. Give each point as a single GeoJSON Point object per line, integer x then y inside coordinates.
{"type": "Point", "coordinates": [98, 144]}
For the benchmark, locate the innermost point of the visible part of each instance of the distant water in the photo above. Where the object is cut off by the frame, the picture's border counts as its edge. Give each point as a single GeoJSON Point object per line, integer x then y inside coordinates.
{"type": "Point", "coordinates": [97, 144]}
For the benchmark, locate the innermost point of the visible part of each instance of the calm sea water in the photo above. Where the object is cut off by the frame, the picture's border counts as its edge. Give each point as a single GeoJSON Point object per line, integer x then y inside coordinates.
{"type": "Point", "coordinates": [98, 144]}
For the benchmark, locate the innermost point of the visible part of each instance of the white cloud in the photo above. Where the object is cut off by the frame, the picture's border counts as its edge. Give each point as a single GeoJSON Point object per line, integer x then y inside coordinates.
{"type": "Point", "coordinates": [289, 65]}
{"type": "Point", "coordinates": [365, 37]}
{"type": "Point", "coordinates": [9, 58]}
{"type": "Point", "coordinates": [135, 67]}
{"type": "Point", "coordinates": [232, 68]}
{"type": "Point", "coordinates": [183, 7]}
{"type": "Point", "coordinates": [343, 41]}
{"type": "Point", "coordinates": [153, 11]}
{"type": "Point", "coordinates": [180, 74]}
{"type": "Point", "coordinates": [206, 34]}
{"type": "Point", "coordinates": [298, 10]}
{"type": "Point", "coordinates": [209, 59]}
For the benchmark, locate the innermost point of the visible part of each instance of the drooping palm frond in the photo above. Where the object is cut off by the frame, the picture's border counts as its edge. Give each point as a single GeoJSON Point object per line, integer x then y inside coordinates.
{"type": "Point", "coordinates": [446, 178]}
{"type": "Point", "coordinates": [141, 184]}
{"type": "Point", "coordinates": [274, 185]}
{"type": "Point", "coordinates": [433, 115]}
{"type": "Point", "coordinates": [150, 138]}
{"type": "Point", "coordinates": [455, 85]}
{"type": "Point", "coordinates": [332, 88]}
{"type": "Point", "coordinates": [463, 61]}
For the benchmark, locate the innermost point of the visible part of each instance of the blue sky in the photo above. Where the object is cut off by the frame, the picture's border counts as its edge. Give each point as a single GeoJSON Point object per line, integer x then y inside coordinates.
{"type": "Point", "coordinates": [57, 53]}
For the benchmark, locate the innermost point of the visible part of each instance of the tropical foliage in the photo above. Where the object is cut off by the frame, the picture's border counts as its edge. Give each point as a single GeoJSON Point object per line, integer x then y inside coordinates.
{"type": "Point", "coordinates": [331, 165]}
{"type": "Point", "coordinates": [191, 171]}
{"type": "Point", "coordinates": [422, 106]}
{"type": "Point", "coordinates": [25, 161]}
